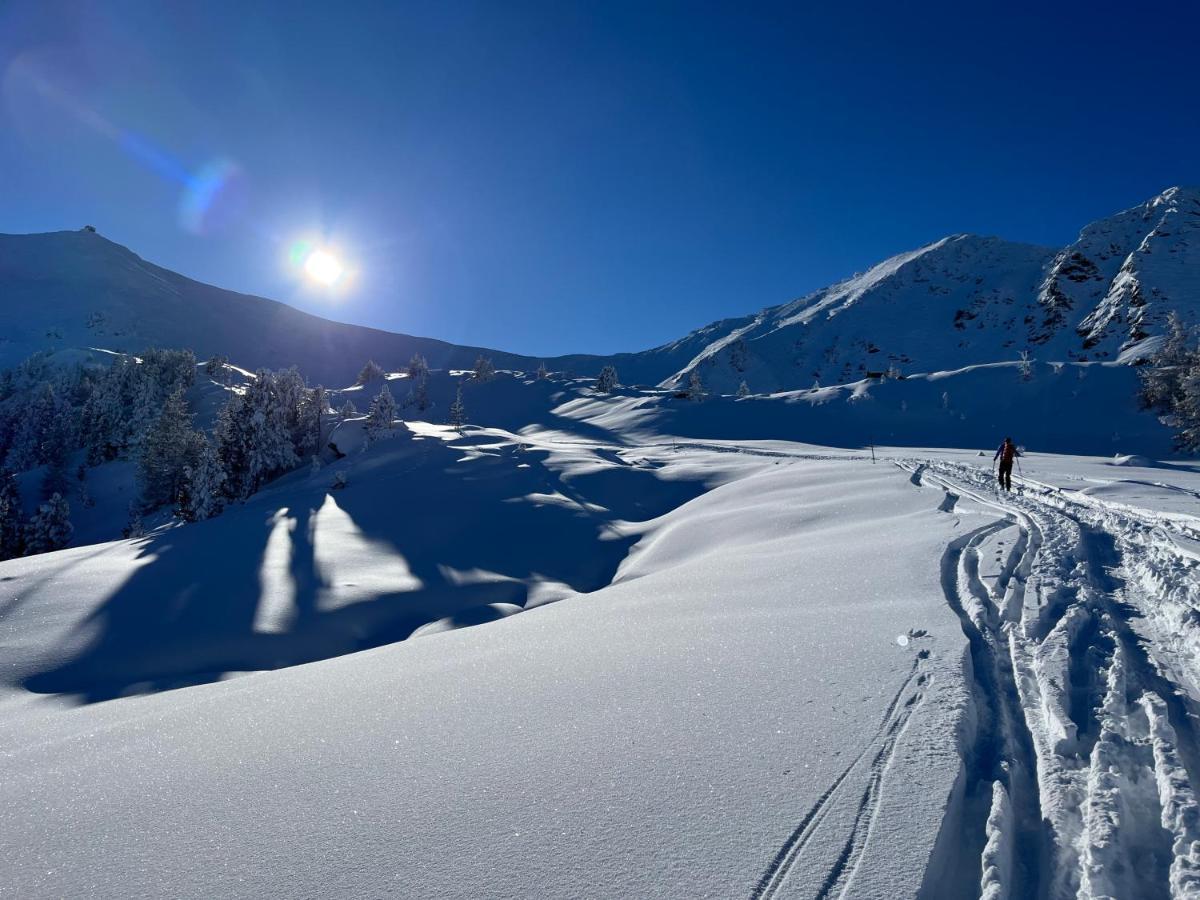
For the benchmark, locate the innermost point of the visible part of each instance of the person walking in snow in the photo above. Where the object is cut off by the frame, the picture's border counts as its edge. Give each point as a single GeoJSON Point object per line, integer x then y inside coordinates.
{"type": "Point", "coordinates": [1007, 453]}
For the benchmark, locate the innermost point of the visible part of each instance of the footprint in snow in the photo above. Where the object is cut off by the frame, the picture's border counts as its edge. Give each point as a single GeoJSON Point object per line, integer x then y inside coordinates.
{"type": "Point", "coordinates": [911, 635]}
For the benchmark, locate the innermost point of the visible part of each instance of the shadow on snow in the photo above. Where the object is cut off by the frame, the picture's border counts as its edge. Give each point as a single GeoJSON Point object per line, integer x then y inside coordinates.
{"type": "Point", "coordinates": [426, 530]}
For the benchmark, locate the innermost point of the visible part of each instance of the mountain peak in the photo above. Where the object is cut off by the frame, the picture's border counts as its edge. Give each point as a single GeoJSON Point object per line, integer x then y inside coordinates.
{"type": "Point", "coordinates": [1177, 194]}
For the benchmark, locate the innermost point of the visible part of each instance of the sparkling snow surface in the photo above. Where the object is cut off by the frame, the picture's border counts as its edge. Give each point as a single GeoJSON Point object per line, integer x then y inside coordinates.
{"type": "Point", "coordinates": [718, 706]}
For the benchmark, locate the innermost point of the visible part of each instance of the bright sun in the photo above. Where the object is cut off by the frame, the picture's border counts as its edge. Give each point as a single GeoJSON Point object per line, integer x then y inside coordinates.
{"type": "Point", "coordinates": [323, 267]}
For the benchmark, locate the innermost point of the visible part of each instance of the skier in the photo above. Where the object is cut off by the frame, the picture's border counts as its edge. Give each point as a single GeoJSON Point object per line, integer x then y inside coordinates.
{"type": "Point", "coordinates": [1007, 453]}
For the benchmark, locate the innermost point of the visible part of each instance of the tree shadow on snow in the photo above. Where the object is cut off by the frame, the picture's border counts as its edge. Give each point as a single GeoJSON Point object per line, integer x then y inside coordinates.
{"type": "Point", "coordinates": [425, 531]}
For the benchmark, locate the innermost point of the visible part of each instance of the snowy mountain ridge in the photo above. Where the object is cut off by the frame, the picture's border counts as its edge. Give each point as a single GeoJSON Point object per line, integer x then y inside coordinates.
{"type": "Point", "coordinates": [967, 299]}
{"type": "Point", "coordinates": [959, 301]}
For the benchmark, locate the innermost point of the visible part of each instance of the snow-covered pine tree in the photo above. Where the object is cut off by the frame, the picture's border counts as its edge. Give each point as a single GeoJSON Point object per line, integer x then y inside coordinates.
{"type": "Point", "coordinates": [458, 410]}
{"type": "Point", "coordinates": [42, 431]}
{"type": "Point", "coordinates": [269, 428]}
{"type": "Point", "coordinates": [382, 415]}
{"type": "Point", "coordinates": [484, 369]}
{"type": "Point", "coordinates": [743, 390]}
{"type": "Point", "coordinates": [215, 367]}
{"type": "Point", "coordinates": [1187, 412]}
{"type": "Point", "coordinates": [370, 372]}
{"type": "Point", "coordinates": [148, 383]}
{"type": "Point", "coordinates": [695, 388]}
{"type": "Point", "coordinates": [313, 408]}
{"type": "Point", "coordinates": [12, 524]}
{"type": "Point", "coordinates": [202, 495]}
{"type": "Point", "coordinates": [419, 395]}
{"type": "Point", "coordinates": [1162, 380]}
{"type": "Point", "coordinates": [50, 528]}
{"type": "Point", "coordinates": [348, 410]}
{"type": "Point", "coordinates": [167, 449]}
{"type": "Point", "coordinates": [417, 366]}
{"type": "Point", "coordinates": [292, 396]}
{"type": "Point", "coordinates": [607, 380]}
{"type": "Point", "coordinates": [254, 441]}
{"type": "Point", "coordinates": [231, 437]}
{"type": "Point", "coordinates": [100, 421]}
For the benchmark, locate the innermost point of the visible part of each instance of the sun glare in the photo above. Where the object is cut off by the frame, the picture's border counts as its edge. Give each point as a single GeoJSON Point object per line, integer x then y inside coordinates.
{"type": "Point", "coordinates": [323, 267]}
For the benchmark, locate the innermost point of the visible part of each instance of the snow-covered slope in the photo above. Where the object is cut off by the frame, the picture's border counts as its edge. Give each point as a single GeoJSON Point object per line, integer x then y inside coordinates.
{"type": "Point", "coordinates": [663, 736]}
{"type": "Point", "coordinates": [967, 300]}
{"type": "Point", "coordinates": [772, 671]}
{"type": "Point", "coordinates": [963, 300]}
{"type": "Point", "coordinates": [77, 289]}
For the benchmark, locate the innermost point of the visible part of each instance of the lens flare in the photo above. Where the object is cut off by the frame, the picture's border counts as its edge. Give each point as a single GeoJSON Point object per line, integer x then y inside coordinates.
{"type": "Point", "coordinates": [212, 197]}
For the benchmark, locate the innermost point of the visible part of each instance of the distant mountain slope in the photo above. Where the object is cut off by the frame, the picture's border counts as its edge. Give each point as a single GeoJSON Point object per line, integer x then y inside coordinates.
{"type": "Point", "coordinates": [966, 300]}
{"type": "Point", "coordinates": [963, 300]}
{"type": "Point", "coordinates": [74, 289]}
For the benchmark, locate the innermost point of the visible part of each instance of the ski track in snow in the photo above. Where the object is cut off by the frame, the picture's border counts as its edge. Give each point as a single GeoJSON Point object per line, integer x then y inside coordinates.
{"type": "Point", "coordinates": [862, 790]}
{"type": "Point", "coordinates": [1085, 685]}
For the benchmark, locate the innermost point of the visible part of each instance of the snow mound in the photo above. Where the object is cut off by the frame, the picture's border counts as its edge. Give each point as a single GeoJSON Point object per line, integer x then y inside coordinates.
{"type": "Point", "coordinates": [1133, 460]}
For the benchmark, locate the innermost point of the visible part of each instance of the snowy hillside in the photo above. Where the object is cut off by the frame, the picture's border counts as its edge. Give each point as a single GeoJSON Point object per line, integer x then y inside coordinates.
{"type": "Point", "coordinates": [688, 683]}
{"type": "Point", "coordinates": [77, 289]}
{"type": "Point", "coordinates": [963, 300]}
{"type": "Point", "coordinates": [966, 300]}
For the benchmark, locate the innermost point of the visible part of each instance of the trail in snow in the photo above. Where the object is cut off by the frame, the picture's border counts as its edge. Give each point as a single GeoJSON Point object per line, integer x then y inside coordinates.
{"type": "Point", "coordinates": [801, 863]}
{"type": "Point", "coordinates": [1080, 775]}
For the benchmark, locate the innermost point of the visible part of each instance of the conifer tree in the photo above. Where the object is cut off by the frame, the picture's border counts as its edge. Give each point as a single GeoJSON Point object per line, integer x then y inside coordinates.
{"type": "Point", "coordinates": [42, 430]}
{"type": "Point", "coordinates": [458, 410]}
{"type": "Point", "coordinates": [370, 372]}
{"type": "Point", "coordinates": [50, 528]}
{"type": "Point", "coordinates": [484, 369]}
{"type": "Point", "coordinates": [202, 494]}
{"type": "Point", "coordinates": [417, 366]}
{"type": "Point", "coordinates": [267, 430]}
{"type": "Point", "coordinates": [607, 380]}
{"type": "Point", "coordinates": [419, 397]}
{"type": "Point", "coordinates": [382, 414]}
{"type": "Point", "coordinates": [743, 390]}
{"type": "Point", "coordinates": [313, 409]}
{"type": "Point", "coordinates": [167, 449]}
{"type": "Point", "coordinates": [12, 525]}
{"type": "Point", "coordinates": [1162, 380]}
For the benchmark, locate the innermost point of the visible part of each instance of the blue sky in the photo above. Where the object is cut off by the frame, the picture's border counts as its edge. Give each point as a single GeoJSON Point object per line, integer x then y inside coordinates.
{"type": "Point", "coordinates": [559, 177]}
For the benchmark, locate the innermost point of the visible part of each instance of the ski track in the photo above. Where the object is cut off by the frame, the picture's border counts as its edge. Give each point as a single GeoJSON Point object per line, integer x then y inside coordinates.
{"type": "Point", "coordinates": [792, 856]}
{"type": "Point", "coordinates": [1086, 684]}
